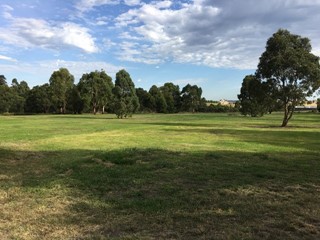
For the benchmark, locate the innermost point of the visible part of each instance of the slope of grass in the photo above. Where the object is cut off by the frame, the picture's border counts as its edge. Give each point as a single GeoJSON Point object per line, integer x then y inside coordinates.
{"type": "Point", "coordinates": [184, 176]}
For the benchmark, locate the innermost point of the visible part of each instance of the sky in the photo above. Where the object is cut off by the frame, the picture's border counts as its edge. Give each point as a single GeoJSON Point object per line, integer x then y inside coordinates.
{"type": "Point", "coordinates": [211, 43]}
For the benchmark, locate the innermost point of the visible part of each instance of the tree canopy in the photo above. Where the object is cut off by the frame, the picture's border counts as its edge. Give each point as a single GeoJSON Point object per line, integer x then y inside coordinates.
{"type": "Point", "coordinates": [126, 101]}
{"type": "Point", "coordinates": [291, 67]}
{"type": "Point", "coordinates": [191, 97]}
{"type": "Point", "coordinates": [61, 83]}
{"type": "Point", "coordinates": [96, 89]}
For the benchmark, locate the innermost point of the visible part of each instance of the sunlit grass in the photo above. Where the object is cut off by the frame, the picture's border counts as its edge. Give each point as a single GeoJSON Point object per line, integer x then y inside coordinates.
{"type": "Point", "coordinates": [184, 176]}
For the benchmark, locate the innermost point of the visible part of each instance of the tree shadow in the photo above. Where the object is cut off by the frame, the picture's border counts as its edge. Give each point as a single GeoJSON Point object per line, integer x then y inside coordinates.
{"type": "Point", "coordinates": [88, 116]}
{"type": "Point", "coordinates": [159, 194]}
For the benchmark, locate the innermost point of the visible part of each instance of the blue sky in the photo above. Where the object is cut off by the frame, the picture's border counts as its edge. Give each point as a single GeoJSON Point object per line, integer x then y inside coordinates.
{"type": "Point", "coordinates": [211, 43]}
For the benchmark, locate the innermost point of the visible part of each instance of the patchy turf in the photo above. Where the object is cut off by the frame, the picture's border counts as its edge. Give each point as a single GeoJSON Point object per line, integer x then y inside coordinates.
{"type": "Point", "coordinates": [184, 176]}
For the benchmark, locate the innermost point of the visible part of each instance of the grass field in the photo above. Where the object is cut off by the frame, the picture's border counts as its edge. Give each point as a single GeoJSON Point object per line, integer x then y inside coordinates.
{"type": "Point", "coordinates": [185, 176]}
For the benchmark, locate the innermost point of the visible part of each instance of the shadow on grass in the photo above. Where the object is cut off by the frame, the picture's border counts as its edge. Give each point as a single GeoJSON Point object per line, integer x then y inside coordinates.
{"type": "Point", "coordinates": [89, 116]}
{"type": "Point", "coordinates": [153, 193]}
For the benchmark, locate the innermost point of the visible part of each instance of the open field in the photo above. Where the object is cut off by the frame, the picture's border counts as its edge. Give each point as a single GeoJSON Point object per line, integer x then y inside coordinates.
{"type": "Point", "coordinates": [185, 176]}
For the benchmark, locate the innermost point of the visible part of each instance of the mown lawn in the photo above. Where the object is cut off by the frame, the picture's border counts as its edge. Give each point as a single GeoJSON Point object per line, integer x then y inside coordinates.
{"type": "Point", "coordinates": [184, 176]}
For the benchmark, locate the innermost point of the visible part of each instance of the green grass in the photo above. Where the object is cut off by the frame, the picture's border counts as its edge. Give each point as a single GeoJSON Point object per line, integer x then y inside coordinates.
{"type": "Point", "coordinates": [184, 176]}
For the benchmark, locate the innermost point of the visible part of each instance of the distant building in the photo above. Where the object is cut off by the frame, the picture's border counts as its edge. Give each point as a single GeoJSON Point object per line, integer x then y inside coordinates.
{"type": "Point", "coordinates": [224, 102]}
{"type": "Point", "coordinates": [307, 106]}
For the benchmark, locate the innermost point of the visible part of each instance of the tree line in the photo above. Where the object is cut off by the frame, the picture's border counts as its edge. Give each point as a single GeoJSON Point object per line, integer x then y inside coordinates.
{"type": "Point", "coordinates": [96, 92]}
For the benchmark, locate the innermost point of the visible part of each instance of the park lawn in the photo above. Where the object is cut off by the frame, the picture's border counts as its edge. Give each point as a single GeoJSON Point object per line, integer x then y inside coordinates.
{"type": "Point", "coordinates": [181, 176]}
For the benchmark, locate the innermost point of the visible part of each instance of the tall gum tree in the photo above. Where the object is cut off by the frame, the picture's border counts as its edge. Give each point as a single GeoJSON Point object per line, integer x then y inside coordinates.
{"type": "Point", "coordinates": [294, 70]}
{"type": "Point", "coordinates": [96, 88]}
{"type": "Point", "coordinates": [126, 101]}
{"type": "Point", "coordinates": [61, 82]}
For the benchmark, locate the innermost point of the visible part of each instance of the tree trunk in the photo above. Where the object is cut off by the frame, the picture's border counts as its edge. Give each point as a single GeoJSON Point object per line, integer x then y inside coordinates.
{"type": "Point", "coordinates": [103, 110]}
{"type": "Point", "coordinates": [287, 114]}
{"type": "Point", "coordinates": [94, 110]}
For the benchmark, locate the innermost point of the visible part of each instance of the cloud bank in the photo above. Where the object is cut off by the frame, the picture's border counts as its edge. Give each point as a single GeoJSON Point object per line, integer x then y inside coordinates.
{"type": "Point", "coordinates": [215, 33]}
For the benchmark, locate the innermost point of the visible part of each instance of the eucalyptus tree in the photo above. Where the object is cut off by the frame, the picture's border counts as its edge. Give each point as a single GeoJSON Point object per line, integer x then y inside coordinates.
{"type": "Point", "coordinates": [157, 99]}
{"type": "Point", "coordinates": [61, 83]}
{"type": "Point", "coordinates": [38, 99]}
{"type": "Point", "coordinates": [172, 97]}
{"type": "Point", "coordinates": [145, 100]}
{"type": "Point", "coordinates": [191, 98]}
{"type": "Point", "coordinates": [3, 80]}
{"type": "Point", "coordinates": [125, 101]}
{"type": "Point", "coordinates": [96, 90]}
{"type": "Point", "coordinates": [5, 95]}
{"type": "Point", "coordinates": [252, 97]}
{"type": "Point", "coordinates": [294, 71]}
{"type": "Point", "coordinates": [19, 94]}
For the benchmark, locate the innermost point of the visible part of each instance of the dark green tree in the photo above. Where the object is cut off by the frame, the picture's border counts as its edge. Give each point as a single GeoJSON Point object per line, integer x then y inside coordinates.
{"type": "Point", "coordinates": [172, 97]}
{"type": "Point", "coordinates": [158, 100]}
{"type": "Point", "coordinates": [318, 104]}
{"type": "Point", "coordinates": [293, 69]}
{"type": "Point", "coordinates": [5, 95]}
{"type": "Point", "coordinates": [251, 97]}
{"type": "Point", "coordinates": [75, 103]}
{"type": "Point", "coordinates": [19, 93]}
{"type": "Point", "coordinates": [145, 100]}
{"type": "Point", "coordinates": [191, 98]}
{"type": "Point", "coordinates": [126, 101]}
{"type": "Point", "coordinates": [39, 99]}
{"type": "Point", "coordinates": [96, 89]}
{"type": "Point", "coordinates": [5, 98]}
{"type": "Point", "coordinates": [3, 80]}
{"type": "Point", "coordinates": [61, 82]}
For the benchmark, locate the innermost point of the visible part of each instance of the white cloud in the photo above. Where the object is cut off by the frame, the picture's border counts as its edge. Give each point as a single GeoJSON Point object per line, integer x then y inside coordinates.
{"type": "Point", "coordinates": [75, 35]}
{"type": "Point", "coordinates": [216, 33]}
{"type": "Point", "coordinates": [6, 14]}
{"type": "Point", "coordinates": [10, 59]}
{"type": "Point", "coordinates": [88, 5]}
{"type": "Point", "coordinates": [132, 2]}
{"type": "Point", "coordinates": [31, 32]}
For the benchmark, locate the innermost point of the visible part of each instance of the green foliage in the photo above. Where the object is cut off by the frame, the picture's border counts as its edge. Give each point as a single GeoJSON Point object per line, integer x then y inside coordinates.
{"type": "Point", "coordinates": [158, 101]}
{"type": "Point", "coordinates": [5, 98]}
{"type": "Point", "coordinates": [95, 93]}
{"type": "Point", "coordinates": [3, 80]}
{"type": "Point", "coordinates": [96, 90]}
{"type": "Point", "coordinates": [172, 97]}
{"type": "Point", "coordinates": [19, 94]}
{"type": "Point", "coordinates": [146, 101]}
{"type": "Point", "coordinates": [39, 99]}
{"type": "Point", "coordinates": [126, 101]}
{"type": "Point", "coordinates": [252, 97]}
{"type": "Point", "coordinates": [75, 103]}
{"type": "Point", "coordinates": [61, 82]}
{"type": "Point", "coordinates": [191, 98]}
{"type": "Point", "coordinates": [292, 68]}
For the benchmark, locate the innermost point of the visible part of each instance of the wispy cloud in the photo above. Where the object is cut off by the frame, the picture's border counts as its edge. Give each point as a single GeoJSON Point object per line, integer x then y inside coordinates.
{"type": "Point", "coordinates": [88, 5]}
{"type": "Point", "coordinates": [132, 2]}
{"type": "Point", "coordinates": [10, 59]}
